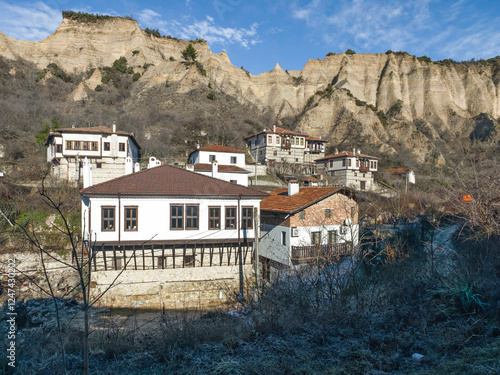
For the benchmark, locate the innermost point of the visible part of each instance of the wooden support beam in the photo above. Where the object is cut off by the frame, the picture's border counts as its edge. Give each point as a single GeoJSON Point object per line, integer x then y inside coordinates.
{"type": "Point", "coordinates": [211, 254]}
{"type": "Point", "coordinates": [184, 256]}
{"type": "Point", "coordinates": [124, 259]}
{"type": "Point", "coordinates": [162, 257]}
{"type": "Point", "coordinates": [94, 256]}
{"type": "Point", "coordinates": [115, 265]}
{"type": "Point", "coordinates": [202, 253]}
{"type": "Point", "coordinates": [143, 258]}
{"type": "Point", "coordinates": [153, 255]}
{"type": "Point", "coordinates": [173, 256]}
{"type": "Point", "coordinates": [105, 262]}
{"type": "Point", "coordinates": [135, 259]}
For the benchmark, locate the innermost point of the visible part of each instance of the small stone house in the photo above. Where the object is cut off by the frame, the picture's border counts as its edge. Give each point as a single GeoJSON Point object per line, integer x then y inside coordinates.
{"type": "Point", "coordinates": [298, 225]}
{"type": "Point", "coordinates": [177, 237]}
{"type": "Point", "coordinates": [105, 149]}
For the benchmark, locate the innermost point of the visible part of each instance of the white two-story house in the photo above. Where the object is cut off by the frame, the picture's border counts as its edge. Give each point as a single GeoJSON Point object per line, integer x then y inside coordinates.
{"type": "Point", "coordinates": [300, 225]}
{"type": "Point", "coordinates": [225, 163]}
{"type": "Point", "coordinates": [283, 146]}
{"type": "Point", "coordinates": [106, 149]}
{"type": "Point", "coordinates": [170, 227]}
{"type": "Point", "coordinates": [350, 168]}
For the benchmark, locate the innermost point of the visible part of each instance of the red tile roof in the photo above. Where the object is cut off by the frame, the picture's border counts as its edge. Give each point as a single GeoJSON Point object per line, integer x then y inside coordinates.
{"type": "Point", "coordinates": [93, 130]}
{"type": "Point", "coordinates": [398, 170]}
{"type": "Point", "coordinates": [278, 200]}
{"type": "Point", "coordinates": [347, 153]}
{"type": "Point", "coordinates": [219, 148]}
{"type": "Point", "coordinates": [315, 139]}
{"type": "Point", "coordinates": [221, 168]}
{"type": "Point", "coordinates": [167, 180]}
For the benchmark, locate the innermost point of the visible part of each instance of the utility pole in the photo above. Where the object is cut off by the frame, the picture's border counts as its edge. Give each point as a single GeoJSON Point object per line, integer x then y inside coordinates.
{"type": "Point", "coordinates": [257, 255]}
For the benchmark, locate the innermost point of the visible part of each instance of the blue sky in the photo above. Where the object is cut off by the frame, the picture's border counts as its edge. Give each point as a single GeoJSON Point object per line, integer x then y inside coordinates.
{"type": "Point", "coordinates": [259, 34]}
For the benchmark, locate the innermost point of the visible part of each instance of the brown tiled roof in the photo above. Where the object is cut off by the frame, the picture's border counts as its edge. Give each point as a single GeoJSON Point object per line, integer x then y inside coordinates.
{"type": "Point", "coordinates": [167, 180]}
{"type": "Point", "coordinates": [221, 168]}
{"type": "Point", "coordinates": [279, 130]}
{"type": "Point", "coordinates": [398, 170]}
{"type": "Point", "coordinates": [278, 200]}
{"type": "Point", "coordinates": [315, 139]}
{"type": "Point", "coordinates": [347, 153]}
{"type": "Point", "coordinates": [219, 148]}
{"type": "Point", "coordinates": [94, 130]}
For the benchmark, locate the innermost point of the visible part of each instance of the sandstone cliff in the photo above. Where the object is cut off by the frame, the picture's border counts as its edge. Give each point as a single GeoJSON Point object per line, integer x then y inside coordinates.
{"type": "Point", "coordinates": [388, 103]}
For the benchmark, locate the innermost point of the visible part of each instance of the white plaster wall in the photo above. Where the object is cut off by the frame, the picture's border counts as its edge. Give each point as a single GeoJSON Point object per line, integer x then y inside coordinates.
{"type": "Point", "coordinates": [270, 243]}
{"type": "Point", "coordinates": [223, 158]}
{"type": "Point", "coordinates": [154, 219]}
{"type": "Point", "coordinates": [241, 178]}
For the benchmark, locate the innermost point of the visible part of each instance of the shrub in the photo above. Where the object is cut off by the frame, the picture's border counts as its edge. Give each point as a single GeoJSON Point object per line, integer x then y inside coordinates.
{"type": "Point", "coordinates": [56, 72]}
{"type": "Point", "coordinates": [146, 66]}
{"type": "Point", "coordinates": [130, 70]}
{"type": "Point", "coordinates": [153, 32]}
{"type": "Point", "coordinates": [424, 59]}
{"type": "Point", "coordinates": [382, 117]}
{"type": "Point", "coordinates": [120, 64]}
{"type": "Point", "coordinates": [211, 96]}
{"type": "Point", "coordinates": [330, 54]}
{"type": "Point", "coordinates": [98, 88]}
{"type": "Point", "coordinates": [297, 80]}
{"type": "Point", "coordinates": [201, 69]}
{"type": "Point", "coordinates": [360, 103]}
{"type": "Point", "coordinates": [135, 52]}
{"type": "Point", "coordinates": [85, 17]}
{"type": "Point", "coordinates": [172, 58]}
{"type": "Point", "coordinates": [350, 52]}
{"type": "Point", "coordinates": [136, 77]}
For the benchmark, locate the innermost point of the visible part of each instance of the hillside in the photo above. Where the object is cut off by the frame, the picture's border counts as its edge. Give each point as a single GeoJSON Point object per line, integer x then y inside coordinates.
{"type": "Point", "coordinates": [391, 104]}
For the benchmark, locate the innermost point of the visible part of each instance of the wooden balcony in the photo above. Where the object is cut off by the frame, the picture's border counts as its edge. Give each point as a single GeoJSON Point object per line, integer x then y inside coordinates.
{"type": "Point", "coordinates": [312, 253]}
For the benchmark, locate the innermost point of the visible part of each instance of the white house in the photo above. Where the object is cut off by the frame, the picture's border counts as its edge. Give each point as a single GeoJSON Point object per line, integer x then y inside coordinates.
{"type": "Point", "coordinates": [105, 149]}
{"type": "Point", "coordinates": [351, 168]}
{"type": "Point", "coordinates": [169, 227]}
{"type": "Point", "coordinates": [225, 163]}
{"type": "Point", "coordinates": [302, 224]}
{"type": "Point", "coordinates": [278, 146]}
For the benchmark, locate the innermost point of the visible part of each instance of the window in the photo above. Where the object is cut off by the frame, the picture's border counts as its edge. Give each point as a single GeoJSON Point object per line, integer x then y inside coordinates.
{"type": "Point", "coordinates": [59, 149]}
{"type": "Point", "coordinates": [121, 146]}
{"type": "Point", "coordinates": [278, 139]}
{"type": "Point", "coordinates": [332, 236]}
{"type": "Point", "coordinates": [234, 181]}
{"type": "Point", "coordinates": [302, 215]}
{"type": "Point", "coordinates": [192, 217]}
{"type": "Point", "coordinates": [296, 160]}
{"type": "Point", "coordinates": [214, 218]}
{"type": "Point", "coordinates": [327, 213]}
{"type": "Point", "coordinates": [270, 139]}
{"type": "Point", "coordinates": [108, 218]}
{"type": "Point", "coordinates": [247, 217]}
{"type": "Point", "coordinates": [275, 153]}
{"type": "Point", "coordinates": [98, 165]}
{"type": "Point", "coordinates": [176, 217]}
{"type": "Point", "coordinates": [69, 145]}
{"type": "Point", "coordinates": [331, 163]}
{"type": "Point", "coordinates": [357, 163]}
{"type": "Point", "coordinates": [283, 238]}
{"type": "Point", "coordinates": [230, 217]}
{"type": "Point", "coordinates": [233, 159]}
{"type": "Point", "coordinates": [349, 162]}
{"type": "Point", "coordinates": [302, 141]}
{"type": "Point", "coordinates": [316, 238]}
{"type": "Point", "coordinates": [343, 162]}
{"type": "Point", "coordinates": [106, 146]}
{"type": "Point", "coordinates": [130, 218]}
{"type": "Point", "coordinates": [85, 145]}
{"type": "Point", "coordinates": [94, 146]}
{"type": "Point", "coordinates": [77, 145]}
{"type": "Point", "coordinates": [211, 158]}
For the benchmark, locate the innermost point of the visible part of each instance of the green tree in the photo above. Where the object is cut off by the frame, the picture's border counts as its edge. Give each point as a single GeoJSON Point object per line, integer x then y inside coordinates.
{"type": "Point", "coordinates": [350, 52]}
{"type": "Point", "coordinates": [189, 54]}
{"type": "Point", "coordinates": [43, 133]}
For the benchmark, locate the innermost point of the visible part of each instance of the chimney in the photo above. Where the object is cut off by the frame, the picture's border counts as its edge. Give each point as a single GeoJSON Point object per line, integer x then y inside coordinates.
{"type": "Point", "coordinates": [274, 128]}
{"type": "Point", "coordinates": [137, 167]}
{"type": "Point", "coordinates": [152, 162]}
{"type": "Point", "coordinates": [336, 151]}
{"type": "Point", "coordinates": [353, 152]}
{"type": "Point", "coordinates": [215, 168]}
{"type": "Point", "coordinates": [129, 165]}
{"type": "Point", "coordinates": [87, 173]}
{"type": "Point", "coordinates": [190, 167]}
{"type": "Point", "coordinates": [114, 128]}
{"type": "Point", "coordinates": [293, 187]}
{"type": "Point", "coordinates": [73, 126]}
{"type": "Point", "coordinates": [359, 151]}
{"type": "Point", "coordinates": [198, 146]}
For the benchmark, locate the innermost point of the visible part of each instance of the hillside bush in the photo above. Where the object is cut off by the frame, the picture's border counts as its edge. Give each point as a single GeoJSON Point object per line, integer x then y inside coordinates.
{"type": "Point", "coordinates": [350, 52]}
{"type": "Point", "coordinates": [85, 17]}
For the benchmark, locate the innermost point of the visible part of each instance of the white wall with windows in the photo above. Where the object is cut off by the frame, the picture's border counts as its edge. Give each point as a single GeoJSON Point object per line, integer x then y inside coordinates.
{"type": "Point", "coordinates": [222, 158]}
{"type": "Point", "coordinates": [112, 219]}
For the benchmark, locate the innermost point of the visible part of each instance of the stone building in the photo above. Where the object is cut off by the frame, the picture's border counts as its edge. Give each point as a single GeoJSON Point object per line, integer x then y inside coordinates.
{"type": "Point", "coordinates": [302, 224]}
{"type": "Point", "coordinates": [105, 149]}
{"type": "Point", "coordinates": [282, 146]}
{"type": "Point", "coordinates": [350, 168]}
{"type": "Point", "coordinates": [177, 237]}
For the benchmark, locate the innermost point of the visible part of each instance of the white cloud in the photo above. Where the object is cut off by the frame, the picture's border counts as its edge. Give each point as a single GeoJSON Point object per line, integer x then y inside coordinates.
{"type": "Point", "coordinates": [205, 29]}
{"type": "Point", "coordinates": [31, 21]}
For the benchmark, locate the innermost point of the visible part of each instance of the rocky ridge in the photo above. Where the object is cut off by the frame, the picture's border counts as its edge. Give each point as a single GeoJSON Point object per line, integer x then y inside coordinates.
{"type": "Point", "coordinates": [386, 102]}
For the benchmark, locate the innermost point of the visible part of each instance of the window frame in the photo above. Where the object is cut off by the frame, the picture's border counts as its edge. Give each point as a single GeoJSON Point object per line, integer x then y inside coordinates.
{"type": "Point", "coordinates": [333, 236]}
{"type": "Point", "coordinates": [109, 218]}
{"type": "Point", "coordinates": [131, 219]}
{"type": "Point", "coordinates": [59, 149]}
{"type": "Point", "coordinates": [69, 145]}
{"type": "Point", "coordinates": [85, 146]}
{"type": "Point", "coordinates": [77, 145]}
{"type": "Point", "coordinates": [328, 213]}
{"type": "Point", "coordinates": [107, 146]}
{"type": "Point", "coordinates": [316, 238]}
{"type": "Point", "coordinates": [245, 219]}
{"type": "Point", "coordinates": [121, 147]}
{"type": "Point", "coordinates": [234, 160]}
{"type": "Point", "coordinates": [232, 217]}
{"type": "Point", "coordinates": [177, 217]}
{"type": "Point", "coordinates": [214, 219]}
{"type": "Point", "coordinates": [94, 146]}
{"type": "Point", "coordinates": [283, 238]}
{"type": "Point", "coordinates": [192, 217]}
